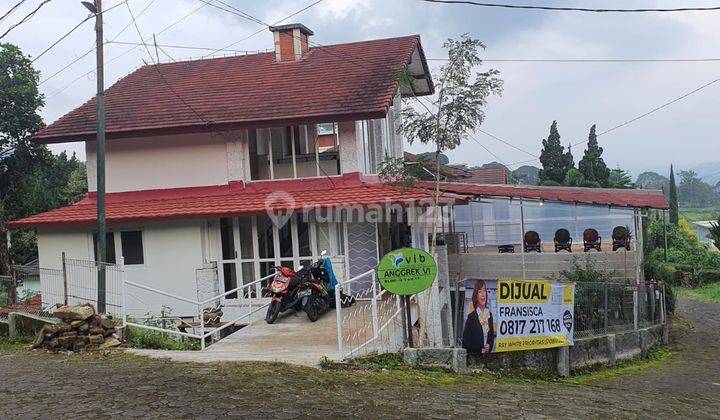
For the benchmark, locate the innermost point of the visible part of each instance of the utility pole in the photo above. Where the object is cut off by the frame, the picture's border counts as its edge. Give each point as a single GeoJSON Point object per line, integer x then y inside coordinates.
{"type": "Point", "coordinates": [96, 8]}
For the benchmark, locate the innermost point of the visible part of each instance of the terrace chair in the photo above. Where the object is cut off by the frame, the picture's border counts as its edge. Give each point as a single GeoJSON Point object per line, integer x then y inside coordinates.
{"type": "Point", "coordinates": [532, 241]}
{"type": "Point", "coordinates": [591, 240]}
{"type": "Point", "coordinates": [620, 238]}
{"type": "Point", "coordinates": [562, 240]}
{"type": "Point", "coordinates": [506, 249]}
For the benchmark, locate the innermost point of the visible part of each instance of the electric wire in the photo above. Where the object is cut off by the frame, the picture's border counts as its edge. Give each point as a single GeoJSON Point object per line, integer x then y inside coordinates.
{"type": "Point", "coordinates": [593, 60]}
{"type": "Point", "coordinates": [26, 18]}
{"type": "Point", "coordinates": [573, 9]}
{"type": "Point", "coordinates": [66, 86]}
{"type": "Point", "coordinates": [12, 9]}
{"type": "Point", "coordinates": [95, 47]}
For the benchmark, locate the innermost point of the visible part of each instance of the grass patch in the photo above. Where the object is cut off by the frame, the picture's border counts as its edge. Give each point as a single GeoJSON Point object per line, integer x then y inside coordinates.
{"type": "Point", "coordinates": [657, 356]}
{"type": "Point", "coordinates": [146, 339]}
{"type": "Point", "coordinates": [699, 214]}
{"type": "Point", "coordinates": [13, 344]}
{"type": "Point", "coordinates": [709, 292]}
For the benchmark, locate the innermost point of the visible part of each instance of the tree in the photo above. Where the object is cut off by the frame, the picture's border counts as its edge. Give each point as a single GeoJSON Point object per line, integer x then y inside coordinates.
{"type": "Point", "coordinates": [555, 161]}
{"type": "Point", "coordinates": [592, 166]}
{"type": "Point", "coordinates": [673, 199]}
{"type": "Point", "coordinates": [653, 181]}
{"type": "Point", "coordinates": [576, 179]}
{"type": "Point", "coordinates": [456, 110]}
{"type": "Point", "coordinates": [19, 120]}
{"type": "Point", "coordinates": [715, 232]}
{"type": "Point", "coordinates": [620, 179]}
{"type": "Point", "coordinates": [32, 179]}
{"type": "Point", "coordinates": [694, 192]}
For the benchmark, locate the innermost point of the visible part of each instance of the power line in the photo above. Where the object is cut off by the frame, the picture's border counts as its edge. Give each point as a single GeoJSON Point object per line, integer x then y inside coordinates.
{"type": "Point", "coordinates": [641, 116]}
{"type": "Point", "coordinates": [573, 9]}
{"type": "Point", "coordinates": [187, 47]}
{"type": "Point", "coordinates": [593, 60]}
{"type": "Point", "coordinates": [506, 142]}
{"type": "Point", "coordinates": [157, 68]}
{"type": "Point", "coordinates": [264, 24]}
{"type": "Point", "coordinates": [95, 47]}
{"type": "Point", "coordinates": [62, 89]}
{"type": "Point", "coordinates": [657, 108]}
{"type": "Point", "coordinates": [25, 19]}
{"type": "Point", "coordinates": [12, 9]}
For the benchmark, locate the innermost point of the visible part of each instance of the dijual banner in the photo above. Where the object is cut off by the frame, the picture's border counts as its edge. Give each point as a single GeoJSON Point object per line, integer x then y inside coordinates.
{"type": "Point", "coordinates": [510, 315]}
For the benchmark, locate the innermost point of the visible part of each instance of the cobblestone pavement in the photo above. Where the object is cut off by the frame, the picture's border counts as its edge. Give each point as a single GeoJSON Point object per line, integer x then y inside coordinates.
{"type": "Point", "coordinates": [34, 384]}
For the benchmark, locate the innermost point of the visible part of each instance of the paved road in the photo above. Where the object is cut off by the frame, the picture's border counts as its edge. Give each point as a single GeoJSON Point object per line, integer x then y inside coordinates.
{"type": "Point", "coordinates": [34, 385]}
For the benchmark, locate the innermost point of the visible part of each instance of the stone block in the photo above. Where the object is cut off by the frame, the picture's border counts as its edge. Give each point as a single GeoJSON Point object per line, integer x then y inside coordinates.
{"type": "Point", "coordinates": [612, 353]}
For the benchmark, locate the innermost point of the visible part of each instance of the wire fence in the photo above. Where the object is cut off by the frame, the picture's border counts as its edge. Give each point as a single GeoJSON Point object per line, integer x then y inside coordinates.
{"type": "Point", "coordinates": [604, 308]}
{"type": "Point", "coordinates": [39, 291]}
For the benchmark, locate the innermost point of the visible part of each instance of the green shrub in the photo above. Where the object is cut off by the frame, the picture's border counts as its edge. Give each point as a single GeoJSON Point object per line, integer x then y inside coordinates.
{"type": "Point", "coordinates": [146, 339]}
{"type": "Point", "coordinates": [706, 276]}
{"type": "Point", "coordinates": [588, 273]}
{"type": "Point", "coordinates": [667, 273]}
{"type": "Point", "coordinates": [670, 298]}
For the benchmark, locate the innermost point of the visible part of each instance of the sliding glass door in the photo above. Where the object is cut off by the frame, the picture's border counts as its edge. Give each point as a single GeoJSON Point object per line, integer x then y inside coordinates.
{"type": "Point", "coordinates": [250, 246]}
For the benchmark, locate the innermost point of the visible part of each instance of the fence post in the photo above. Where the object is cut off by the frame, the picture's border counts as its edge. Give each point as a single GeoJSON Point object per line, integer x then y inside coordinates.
{"type": "Point", "coordinates": [65, 280]}
{"type": "Point", "coordinates": [338, 315]}
{"type": "Point", "coordinates": [635, 307]}
{"type": "Point", "coordinates": [605, 307]}
{"type": "Point", "coordinates": [122, 290]}
{"type": "Point", "coordinates": [202, 327]}
{"type": "Point", "coordinates": [373, 308]}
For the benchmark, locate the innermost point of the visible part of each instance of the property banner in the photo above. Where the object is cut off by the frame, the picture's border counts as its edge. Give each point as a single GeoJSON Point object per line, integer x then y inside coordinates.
{"type": "Point", "coordinates": [510, 315]}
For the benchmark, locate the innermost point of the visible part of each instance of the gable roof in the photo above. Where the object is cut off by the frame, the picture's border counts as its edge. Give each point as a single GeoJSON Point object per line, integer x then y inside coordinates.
{"type": "Point", "coordinates": [332, 83]}
{"type": "Point", "coordinates": [236, 199]}
{"type": "Point", "coordinates": [596, 196]}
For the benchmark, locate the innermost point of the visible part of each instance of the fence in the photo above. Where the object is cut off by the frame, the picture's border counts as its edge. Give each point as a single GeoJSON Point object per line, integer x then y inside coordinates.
{"type": "Point", "coordinates": [600, 308]}
{"type": "Point", "coordinates": [41, 290]}
{"type": "Point", "coordinates": [373, 324]}
{"type": "Point", "coordinates": [251, 297]}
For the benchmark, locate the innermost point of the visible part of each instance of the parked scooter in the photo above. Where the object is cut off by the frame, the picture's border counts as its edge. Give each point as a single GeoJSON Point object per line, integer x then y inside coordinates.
{"type": "Point", "coordinates": [287, 290]}
{"type": "Point", "coordinates": [319, 300]}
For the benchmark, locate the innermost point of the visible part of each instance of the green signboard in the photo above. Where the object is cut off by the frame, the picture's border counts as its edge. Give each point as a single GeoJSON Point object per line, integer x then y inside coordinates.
{"type": "Point", "coordinates": [406, 271]}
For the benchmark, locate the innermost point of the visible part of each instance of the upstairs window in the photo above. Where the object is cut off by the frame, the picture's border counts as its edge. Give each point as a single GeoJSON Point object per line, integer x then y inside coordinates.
{"type": "Point", "coordinates": [303, 151]}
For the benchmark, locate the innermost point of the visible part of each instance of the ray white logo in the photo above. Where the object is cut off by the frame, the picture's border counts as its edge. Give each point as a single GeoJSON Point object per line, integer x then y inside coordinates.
{"type": "Point", "coordinates": [279, 207]}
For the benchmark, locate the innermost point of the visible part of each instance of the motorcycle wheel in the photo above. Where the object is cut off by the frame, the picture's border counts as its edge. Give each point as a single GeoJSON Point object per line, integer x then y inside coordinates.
{"type": "Point", "coordinates": [312, 309]}
{"type": "Point", "coordinates": [273, 312]}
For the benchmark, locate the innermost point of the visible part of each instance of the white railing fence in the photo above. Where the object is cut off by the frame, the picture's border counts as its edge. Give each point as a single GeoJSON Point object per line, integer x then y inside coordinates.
{"type": "Point", "coordinates": [373, 324]}
{"type": "Point", "coordinates": [252, 301]}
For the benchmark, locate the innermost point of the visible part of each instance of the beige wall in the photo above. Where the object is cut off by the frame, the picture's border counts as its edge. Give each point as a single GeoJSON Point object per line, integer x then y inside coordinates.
{"type": "Point", "coordinates": [186, 160]}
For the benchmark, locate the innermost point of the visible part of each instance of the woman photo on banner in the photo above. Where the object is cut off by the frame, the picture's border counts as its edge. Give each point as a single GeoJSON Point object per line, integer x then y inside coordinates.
{"type": "Point", "coordinates": [479, 332]}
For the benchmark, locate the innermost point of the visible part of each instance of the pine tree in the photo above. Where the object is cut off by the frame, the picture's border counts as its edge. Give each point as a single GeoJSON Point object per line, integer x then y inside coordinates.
{"type": "Point", "coordinates": [673, 198]}
{"type": "Point", "coordinates": [555, 161]}
{"type": "Point", "coordinates": [592, 165]}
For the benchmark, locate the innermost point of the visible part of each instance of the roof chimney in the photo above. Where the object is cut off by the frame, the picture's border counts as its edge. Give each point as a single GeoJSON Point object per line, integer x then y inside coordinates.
{"type": "Point", "coordinates": [291, 41]}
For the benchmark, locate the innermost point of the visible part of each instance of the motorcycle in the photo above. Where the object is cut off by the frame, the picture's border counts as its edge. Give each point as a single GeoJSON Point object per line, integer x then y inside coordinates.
{"type": "Point", "coordinates": [319, 300]}
{"type": "Point", "coordinates": [287, 290]}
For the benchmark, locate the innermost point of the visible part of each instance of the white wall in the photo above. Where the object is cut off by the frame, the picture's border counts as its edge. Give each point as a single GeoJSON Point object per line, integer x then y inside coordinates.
{"type": "Point", "coordinates": [185, 160]}
{"type": "Point", "coordinates": [172, 253]}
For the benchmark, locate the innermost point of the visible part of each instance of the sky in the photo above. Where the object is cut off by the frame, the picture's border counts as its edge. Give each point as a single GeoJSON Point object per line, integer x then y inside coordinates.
{"type": "Point", "coordinates": [577, 95]}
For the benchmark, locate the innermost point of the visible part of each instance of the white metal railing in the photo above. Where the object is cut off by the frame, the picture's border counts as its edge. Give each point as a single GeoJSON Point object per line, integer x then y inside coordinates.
{"type": "Point", "coordinates": [373, 324]}
{"type": "Point", "coordinates": [252, 308]}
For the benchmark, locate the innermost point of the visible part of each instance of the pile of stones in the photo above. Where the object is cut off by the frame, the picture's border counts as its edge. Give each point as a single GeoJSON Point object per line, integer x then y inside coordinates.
{"type": "Point", "coordinates": [80, 328]}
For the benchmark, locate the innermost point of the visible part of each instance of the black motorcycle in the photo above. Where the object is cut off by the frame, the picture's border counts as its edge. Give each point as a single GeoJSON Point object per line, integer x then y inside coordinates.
{"type": "Point", "coordinates": [320, 299]}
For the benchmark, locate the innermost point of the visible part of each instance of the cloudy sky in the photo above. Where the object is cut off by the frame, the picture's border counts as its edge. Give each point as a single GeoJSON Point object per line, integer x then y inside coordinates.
{"type": "Point", "coordinates": [577, 95]}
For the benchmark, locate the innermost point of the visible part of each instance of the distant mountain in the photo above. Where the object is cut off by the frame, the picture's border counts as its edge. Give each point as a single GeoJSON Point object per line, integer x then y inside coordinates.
{"type": "Point", "coordinates": [525, 175]}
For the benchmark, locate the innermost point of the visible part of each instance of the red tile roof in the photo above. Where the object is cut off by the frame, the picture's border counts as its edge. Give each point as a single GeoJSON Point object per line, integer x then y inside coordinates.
{"type": "Point", "coordinates": [333, 83]}
{"type": "Point", "coordinates": [488, 176]}
{"type": "Point", "coordinates": [235, 199]}
{"type": "Point", "coordinates": [599, 196]}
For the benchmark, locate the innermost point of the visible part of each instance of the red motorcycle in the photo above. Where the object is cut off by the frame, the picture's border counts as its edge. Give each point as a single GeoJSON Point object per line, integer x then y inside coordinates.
{"type": "Point", "coordinates": [287, 289]}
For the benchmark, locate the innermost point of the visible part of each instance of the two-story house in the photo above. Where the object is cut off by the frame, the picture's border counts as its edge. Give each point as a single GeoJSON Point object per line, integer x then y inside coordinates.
{"type": "Point", "coordinates": [205, 157]}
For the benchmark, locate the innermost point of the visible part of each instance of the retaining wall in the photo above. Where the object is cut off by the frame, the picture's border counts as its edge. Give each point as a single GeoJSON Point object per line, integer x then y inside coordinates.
{"type": "Point", "coordinates": [602, 350]}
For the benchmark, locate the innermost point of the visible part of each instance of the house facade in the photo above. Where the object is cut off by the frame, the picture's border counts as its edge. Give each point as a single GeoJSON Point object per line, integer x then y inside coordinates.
{"type": "Point", "coordinates": [245, 163]}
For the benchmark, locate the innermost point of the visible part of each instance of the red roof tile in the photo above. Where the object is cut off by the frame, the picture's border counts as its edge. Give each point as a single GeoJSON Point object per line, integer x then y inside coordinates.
{"type": "Point", "coordinates": [332, 83]}
{"type": "Point", "coordinates": [600, 196]}
{"type": "Point", "coordinates": [234, 199]}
